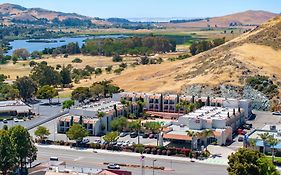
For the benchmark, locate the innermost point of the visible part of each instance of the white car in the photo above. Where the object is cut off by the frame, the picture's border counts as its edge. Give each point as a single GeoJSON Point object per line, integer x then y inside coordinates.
{"type": "Point", "coordinates": [113, 166]}
{"type": "Point", "coordinates": [97, 141]}
{"type": "Point", "coordinates": [16, 120]}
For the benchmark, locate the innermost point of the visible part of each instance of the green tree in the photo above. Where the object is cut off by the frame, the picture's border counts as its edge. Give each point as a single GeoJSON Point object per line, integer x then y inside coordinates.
{"type": "Point", "coordinates": [97, 90]}
{"type": "Point", "coordinates": [47, 92]}
{"type": "Point", "coordinates": [81, 94]}
{"type": "Point", "coordinates": [272, 142]}
{"type": "Point", "coordinates": [111, 137]}
{"type": "Point", "coordinates": [119, 124]}
{"type": "Point", "coordinates": [67, 104]}
{"type": "Point", "coordinates": [26, 86]}
{"type": "Point", "coordinates": [24, 145]}
{"type": "Point", "coordinates": [264, 137]}
{"type": "Point", "coordinates": [65, 74]}
{"type": "Point", "coordinates": [108, 69]}
{"type": "Point", "coordinates": [42, 133]}
{"type": "Point", "coordinates": [45, 75]}
{"type": "Point", "coordinates": [250, 162]}
{"type": "Point", "coordinates": [8, 92]}
{"type": "Point", "coordinates": [77, 132]}
{"type": "Point", "coordinates": [20, 53]}
{"type": "Point", "coordinates": [154, 127]}
{"type": "Point", "coordinates": [2, 78]}
{"type": "Point", "coordinates": [7, 153]}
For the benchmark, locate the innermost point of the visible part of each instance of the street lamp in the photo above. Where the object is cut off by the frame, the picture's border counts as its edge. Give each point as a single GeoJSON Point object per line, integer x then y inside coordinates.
{"type": "Point", "coordinates": [153, 166]}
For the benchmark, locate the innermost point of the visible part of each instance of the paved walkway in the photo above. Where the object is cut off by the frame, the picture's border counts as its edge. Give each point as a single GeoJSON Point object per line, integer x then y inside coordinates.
{"type": "Point", "coordinates": [215, 161]}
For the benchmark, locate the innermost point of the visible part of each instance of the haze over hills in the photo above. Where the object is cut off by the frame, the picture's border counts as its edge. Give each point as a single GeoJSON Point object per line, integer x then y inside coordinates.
{"type": "Point", "coordinates": [238, 19]}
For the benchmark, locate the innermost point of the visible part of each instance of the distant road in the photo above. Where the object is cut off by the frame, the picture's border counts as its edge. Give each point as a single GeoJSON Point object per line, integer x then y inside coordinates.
{"type": "Point", "coordinates": [95, 160]}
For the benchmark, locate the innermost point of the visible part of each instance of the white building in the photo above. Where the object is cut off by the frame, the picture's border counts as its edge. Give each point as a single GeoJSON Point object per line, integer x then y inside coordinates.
{"type": "Point", "coordinates": [167, 102]}
{"type": "Point", "coordinates": [89, 115]}
{"type": "Point", "coordinates": [220, 120]}
{"type": "Point", "coordinates": [14, 108]}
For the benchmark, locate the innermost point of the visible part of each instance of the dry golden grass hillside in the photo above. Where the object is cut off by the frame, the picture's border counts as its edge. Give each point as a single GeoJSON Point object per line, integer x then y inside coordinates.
{"type": "Point", "coordinates": [230, 64]}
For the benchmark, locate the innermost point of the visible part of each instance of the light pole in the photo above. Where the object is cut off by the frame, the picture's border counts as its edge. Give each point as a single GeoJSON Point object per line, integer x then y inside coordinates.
{"type": "Point", "coordinates": [142, 164]}
{"type": "Point", "coordinates": [153, 166]}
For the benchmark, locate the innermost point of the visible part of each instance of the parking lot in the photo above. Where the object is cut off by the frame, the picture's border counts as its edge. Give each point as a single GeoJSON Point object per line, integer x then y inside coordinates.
{"type": "Point", "coordinates": [44, 111]}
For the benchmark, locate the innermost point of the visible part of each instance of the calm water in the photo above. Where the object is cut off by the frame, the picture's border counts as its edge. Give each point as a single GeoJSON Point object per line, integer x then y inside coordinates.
{"type": "Point", "coordinates": [39, 46]}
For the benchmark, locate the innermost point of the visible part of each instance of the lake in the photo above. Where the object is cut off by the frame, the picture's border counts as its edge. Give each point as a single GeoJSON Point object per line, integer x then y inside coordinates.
{"type": "Point", "coordinates": [56, 42]}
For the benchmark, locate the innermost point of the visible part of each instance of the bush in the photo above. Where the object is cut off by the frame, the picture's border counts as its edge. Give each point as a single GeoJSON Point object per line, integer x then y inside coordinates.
{"type": "Point", "coordinates": [76, 60]}
{"type": "Point", "coordinates": [117, 58]}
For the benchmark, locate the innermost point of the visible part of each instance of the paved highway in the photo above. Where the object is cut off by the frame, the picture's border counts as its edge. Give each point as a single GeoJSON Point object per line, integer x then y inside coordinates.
{"type": "Point", "coordinates": [96, 160]}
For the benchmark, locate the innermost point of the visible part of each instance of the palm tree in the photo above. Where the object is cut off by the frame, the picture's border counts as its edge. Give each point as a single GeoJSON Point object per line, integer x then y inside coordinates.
{"type": "Point", "coordinates": [252, 143]}
{"type": "Point", "coordinates": [206, 134]}
{"type": "Point", "coordinates": [178, 107]}
{"type": "Point", "coordinates": [264, 137]}
{"type": "Point", "coordinates": [272, 142]}
{"type": "Point", "coordinates": [194, 136]}
{"type": "Point", "coordinates": [100, 116]}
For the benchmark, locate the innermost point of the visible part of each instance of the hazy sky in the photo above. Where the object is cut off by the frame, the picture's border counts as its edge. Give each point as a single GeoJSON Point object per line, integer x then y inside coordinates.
{"type": "Point", "coordinates": [152, 8]}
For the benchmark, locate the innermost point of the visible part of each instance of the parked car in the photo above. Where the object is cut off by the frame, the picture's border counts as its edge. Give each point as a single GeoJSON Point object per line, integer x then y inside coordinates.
{"type": "Point", "coordinates": [113, 166]}
{"type": "Point", "coordinates": [97, 141]}
{"type": "Point", "coordinates": [276, 113]}
{"type": "Point", "coordinates": [16, 120]}
{"type": "Point", "coordinates": [133, 134]}
{"type": "Point", "coordinates": [240, 139]}
{"type": "Point", "coordinates": [156, 136]}
{"type": "Point", "coordinates": [119, 143]}
{"type": "Point", "coordinates": [123, 134]}
{"type": "Point", "coordinates": [5, 121]}
{"type": "Point", "coordinates": [145, 135]}
{"type": "Point", "coordinates": [85, 141]}
{"type": "Point", "coordinates": [151, 136]}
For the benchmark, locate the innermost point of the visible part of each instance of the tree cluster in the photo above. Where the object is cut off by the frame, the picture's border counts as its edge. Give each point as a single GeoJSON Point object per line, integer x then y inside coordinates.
{"type": "Point", "coordinates": [132, 46]}
{"type": "Point", "coordinates": [263, 84]}
{"type": "Point", "coordinates": [97, 90]}
{"type": "Point", "coordinates": [201, 46]}
{"type": "Point", "coordinates": [17, 150]}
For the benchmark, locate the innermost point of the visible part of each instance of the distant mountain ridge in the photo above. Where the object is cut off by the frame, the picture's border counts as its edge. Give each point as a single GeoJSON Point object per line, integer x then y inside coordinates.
{"type": "Point", "coordinates": [247, 18]}
{"type": "Point", "coordinates": [13, 12]}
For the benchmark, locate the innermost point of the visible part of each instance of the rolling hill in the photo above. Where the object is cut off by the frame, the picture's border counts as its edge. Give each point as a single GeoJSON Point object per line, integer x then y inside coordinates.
{"type": "Point", "coordinates": [255, 52]}
{"type": "Point", "coordinates": [247, 18]}
{"type": "Point", "coordinates": [12, 12]}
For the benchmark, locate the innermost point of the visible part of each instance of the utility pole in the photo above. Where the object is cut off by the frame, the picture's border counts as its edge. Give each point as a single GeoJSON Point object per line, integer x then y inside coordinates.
{"type": "Point", "coordinates": [142, 164]}
{"type": "Point", "coordinates": [153, 165]}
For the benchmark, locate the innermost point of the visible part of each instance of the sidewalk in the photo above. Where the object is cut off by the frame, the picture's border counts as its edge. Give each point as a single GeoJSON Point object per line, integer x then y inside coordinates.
{"type": "Point", "coordinates": [214, 161]}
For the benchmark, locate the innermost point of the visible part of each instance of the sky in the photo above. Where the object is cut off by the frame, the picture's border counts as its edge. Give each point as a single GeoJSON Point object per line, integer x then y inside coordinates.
{"type": "Point", "coordinates": [152, 8]}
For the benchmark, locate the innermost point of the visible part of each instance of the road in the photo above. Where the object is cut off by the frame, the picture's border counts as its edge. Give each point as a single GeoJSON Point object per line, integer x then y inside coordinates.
{"type": "Point", "coordinates": [96, 160]}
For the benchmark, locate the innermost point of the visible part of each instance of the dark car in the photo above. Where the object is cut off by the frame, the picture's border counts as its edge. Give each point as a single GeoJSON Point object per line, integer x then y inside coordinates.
{"type": "Point", "coordinates": [133, 134]}
{"type": "Point", "coordinates": [123, 134]}
{"type": "Point", "coordinates": [276, 113]}
{"type": "Point", "coordinates": [145, 135]}
{"type": "Point", "coordinates": [240, 139]}
{"type": "Point", "coordinates": [156, 136]}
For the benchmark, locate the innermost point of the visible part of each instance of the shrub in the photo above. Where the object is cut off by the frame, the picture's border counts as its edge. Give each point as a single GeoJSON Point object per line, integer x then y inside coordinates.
{"type": "Point", "coordinates": [117, 58]}
{"type": "Point", "coordinates": [76, 60]}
